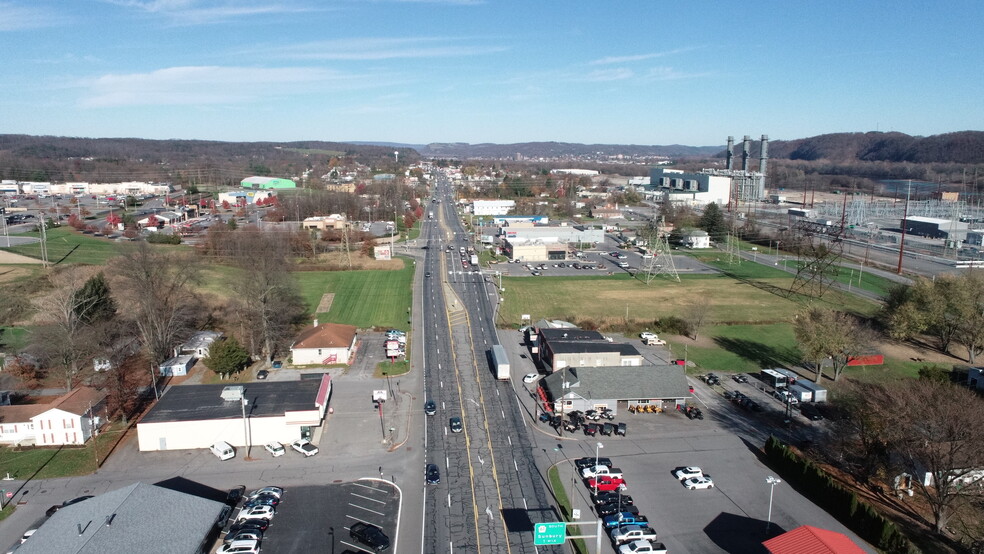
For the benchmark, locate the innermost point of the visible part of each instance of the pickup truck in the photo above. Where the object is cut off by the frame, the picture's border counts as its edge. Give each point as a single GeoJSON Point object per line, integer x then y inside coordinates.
{"type": "Point", "coordinates": [642, 547]}
{"type": "Point", "coordinates": [629, 533]}
{"type": "Point", "coordinates": [582, 463]}
{"type": "Point", "coordinates": [606, 483]}
{"type": "Point", "coordinates": [598, 471]}
{"type": "Point", "coordinates": [624, 518]}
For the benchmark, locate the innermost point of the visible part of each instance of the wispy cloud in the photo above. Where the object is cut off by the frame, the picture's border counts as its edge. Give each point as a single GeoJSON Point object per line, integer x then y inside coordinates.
{"type": "Point", "coordinates": [378, 49]}
{"type": "Point", "coordinates": [447, 2]}
{"type": "Point", "coordinates": [640, 57]}
{"type": "Point", "coordinates": [663, 73]}
{"type": "Point", "coordinates": [201, 85]}
{"type": "Point", "coordinates": [22, 18]}
{"type": "Point", "coordinates": [615, 74]}
{"type": "Point", "coordinates": [194, 12]}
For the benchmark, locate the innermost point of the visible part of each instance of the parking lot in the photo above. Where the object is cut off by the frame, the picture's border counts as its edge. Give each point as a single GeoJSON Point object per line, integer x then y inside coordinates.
{"type": "Point", "coordinates": [318, 518]}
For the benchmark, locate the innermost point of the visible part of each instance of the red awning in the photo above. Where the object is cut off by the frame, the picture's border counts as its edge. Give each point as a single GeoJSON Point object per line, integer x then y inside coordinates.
{"type": "Point", "coordinates": [323, 391]}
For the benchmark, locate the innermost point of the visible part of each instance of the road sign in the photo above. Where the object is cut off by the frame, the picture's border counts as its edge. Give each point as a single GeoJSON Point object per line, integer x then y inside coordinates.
{"type": "Point", "coordinates": [549, 533]}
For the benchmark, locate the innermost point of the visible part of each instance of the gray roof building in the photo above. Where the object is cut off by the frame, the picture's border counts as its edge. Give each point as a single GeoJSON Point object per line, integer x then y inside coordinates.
{"type": "Point", "coordinates": [205, 402]}
{"type": "Point", "coordinates": [568, 334]}
{"type": "Point", "coordinates": [621, 348]}
{"type": "Point", "coordinates": [629, 383]}
{"type": "Point", "coordinates": [137, 518]}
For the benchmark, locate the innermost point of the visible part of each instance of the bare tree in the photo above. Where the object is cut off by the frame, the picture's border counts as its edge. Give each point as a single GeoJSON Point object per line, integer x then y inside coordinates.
{"type": "Point", "coordinates": [155, 285]}
{"type": "Point", "coordinates": [828, 335]}
{"type": "Point", "coordinates": [695, 314]}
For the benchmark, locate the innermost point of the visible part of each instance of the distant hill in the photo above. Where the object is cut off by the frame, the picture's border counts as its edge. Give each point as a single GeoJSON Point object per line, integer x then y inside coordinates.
{"type": "Point", "coordinates": [965, 147]}
{"type": "Point", "coordinates": [533, 150]}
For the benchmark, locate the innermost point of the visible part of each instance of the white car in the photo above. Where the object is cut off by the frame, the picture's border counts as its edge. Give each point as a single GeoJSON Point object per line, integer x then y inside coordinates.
{"type": "Point", "coordinates": [530, 377]}
{"type": "Point", "coordinates": [305, 447]}
{"type": "Point", "coordinates": [689, 473]}
{"type": "Point", "coordinates": [261, 512]}
{"type": "Point", "coordinates": [647, 335]}
{"type": "Point", "coordinates": [699, 483]}
{"type": "Point", "coordinates": [275, 449]}
{"type": "Point", "coordinates": [247, 546]}
{"type": "Point", "coordinates": [275, 491]}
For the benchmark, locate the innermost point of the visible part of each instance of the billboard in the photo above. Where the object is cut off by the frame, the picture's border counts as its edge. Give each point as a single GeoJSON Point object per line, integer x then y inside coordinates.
{"type": "Point", "coordinates": [383, 252]}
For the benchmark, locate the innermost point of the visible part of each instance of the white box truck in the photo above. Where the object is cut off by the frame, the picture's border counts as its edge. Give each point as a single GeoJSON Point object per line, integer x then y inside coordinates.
{"type": "Point", "coordinates": [500, 362]}
{"type": "Point", "coordinates": [474, 259]}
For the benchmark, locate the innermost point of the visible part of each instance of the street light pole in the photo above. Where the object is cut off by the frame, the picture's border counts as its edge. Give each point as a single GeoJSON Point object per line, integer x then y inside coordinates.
{"type": "Point", "coordinates": [598, 446]}
{"type": "Point", "coordinates": [772, 481]}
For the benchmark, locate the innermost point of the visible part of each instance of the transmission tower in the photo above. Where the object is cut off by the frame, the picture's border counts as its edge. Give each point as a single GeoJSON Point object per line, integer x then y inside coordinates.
{"type": "Point", "coordinates": [662, 261]}
{"type": "Point", "coordinates": [346, 246]}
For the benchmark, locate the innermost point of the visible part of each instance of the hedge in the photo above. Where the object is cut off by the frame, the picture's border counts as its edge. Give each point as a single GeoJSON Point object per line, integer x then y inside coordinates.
{"type": "Point", "coordinates": [814, 483]}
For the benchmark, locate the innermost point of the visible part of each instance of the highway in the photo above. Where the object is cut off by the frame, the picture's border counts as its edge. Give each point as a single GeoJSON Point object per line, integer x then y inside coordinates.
{"type": "Point", "coordinates": [492, 491]}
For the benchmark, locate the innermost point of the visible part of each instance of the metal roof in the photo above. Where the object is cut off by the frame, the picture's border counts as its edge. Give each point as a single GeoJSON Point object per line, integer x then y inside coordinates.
{"type": "Point", "coordinates": [620, 383]}
{"type": "Point", "coordinates": [563, 347]}
{"type": "Point", "coordinates": [137, 518]}
{"type": "Point", "coordinates": [812, 540]}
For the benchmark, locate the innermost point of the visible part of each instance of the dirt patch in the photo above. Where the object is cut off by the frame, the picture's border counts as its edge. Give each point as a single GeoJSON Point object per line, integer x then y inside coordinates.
{"type": "Point", "coordinates": [11, 258]}
{"type": "Point", "coordinates": [9, 274]}
{"type": "Point", "coordinates": [325, 305]}
{"type": "Point", "coordinates": [905, 351]}
{"type": "Point", "coordinates": [339, 261]}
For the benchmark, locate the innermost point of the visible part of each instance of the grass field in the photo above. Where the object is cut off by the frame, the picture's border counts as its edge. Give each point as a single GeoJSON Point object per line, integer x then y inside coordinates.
{"type": "Point", "coordinates": [66, 245]}
{"type": "Point", "coordinates": [743, 348]}
{"type": "Point", "coordinates": [13, 339]}
{"type": "Point", "coordinates": [50, 463]}
{"type": "Point", "coordinates": [362, 298]}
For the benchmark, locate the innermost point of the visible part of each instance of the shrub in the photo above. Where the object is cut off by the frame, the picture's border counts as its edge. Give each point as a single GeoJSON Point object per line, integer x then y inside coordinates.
{"type": "Point", "coordinates": [160, 238]}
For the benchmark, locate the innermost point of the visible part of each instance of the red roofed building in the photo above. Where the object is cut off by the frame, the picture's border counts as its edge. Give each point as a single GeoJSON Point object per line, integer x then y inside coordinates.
{"type": "Point", "coordinates": [811, 540]}
{"type": "Point", "coordinates": [325, 344]}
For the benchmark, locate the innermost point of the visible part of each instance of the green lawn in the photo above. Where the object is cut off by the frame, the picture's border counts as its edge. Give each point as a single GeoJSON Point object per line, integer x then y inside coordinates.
{"type": "Point", "coordinates": [13, 338]}
{"type": "Point", "coordinates": [868, 281]}
{"type": "Point", "coordinates": [50, 463]}
{"type": "Point", "coordinates": [362, 298]}
{"type": "Point", "coordinates": [66, 245]}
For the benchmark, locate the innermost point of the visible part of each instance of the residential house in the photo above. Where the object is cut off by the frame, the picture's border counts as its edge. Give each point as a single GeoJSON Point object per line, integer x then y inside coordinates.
{"type": "Point", "coordinates": [68, 420]}
{"type": "Point", "coordinates": [327, 343]}
{"type": "Point", "coordinates": [177, 366]}
{"type": "Point", "coordinates": [198, 344]}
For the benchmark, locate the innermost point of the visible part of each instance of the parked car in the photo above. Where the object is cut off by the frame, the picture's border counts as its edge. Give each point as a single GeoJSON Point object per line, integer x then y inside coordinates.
{"type": "Point", "coordinates": [688, 473]}
{"type": "Point", "coordinates": [277, 364]}
{"type": "Point", "coordinates": [262, 374]}
{"type": "Point", "coordinates": [369, 535]}
{"type": "Point", "coordinates": [256, 512]}
{"type": "Point", "coordinates": [811, 412]}
{"type": "Point", "coordinates": [642, 547]}
{"type": "Point", "coordinates": [430, 408]}
{"type": "Point", "coordinates": [244, 535]}
{"type": "Point", "coordinates": [624, 518]}
{"type": "Point", "coordinates": [262, 500]}
{"type": "Point", "coordinates": [590, 429]}
{"type": "Point", "coordinates": [275, 449]}
{"type": "Point", "coordinates": [432, 474]}
{"type": "Point", "coordinates": [276, 491]}
{"type": "Point", "coordinates": [621, 429]}
{"type": "Point", "coordinates": [607, 429]}
{"type": "Point", "coordinates": [740, 378]}
{"type": "Point", "coordinates": [606, 483]}
{"type": "Point", "coordinates": [240, 547]}
{"type": "Point", "coordinates": [695, 483]}
{"type": "Point", "coordinates": [455, 424]}
{"type": "Point", "coordinates": [235, 495]}
{"type": "Point", "coordinates": [530, 377]}
{"type": "Point", "coordinates": [647, 335]}
{"type": "Point", "coordinates": [257, 524]}
{"type": "Point", "coordinates": [305, 447]}
{"type": "Point", "coordinates": [611, 498]}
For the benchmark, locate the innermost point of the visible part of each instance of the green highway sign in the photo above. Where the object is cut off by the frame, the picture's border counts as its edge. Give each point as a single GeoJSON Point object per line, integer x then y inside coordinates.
{"type": "Point", "coordinates": [549, 533]}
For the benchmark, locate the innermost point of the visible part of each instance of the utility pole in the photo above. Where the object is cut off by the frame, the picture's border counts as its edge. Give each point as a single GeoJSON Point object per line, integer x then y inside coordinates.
{"type": "Point", "coordinates": [905, 215]}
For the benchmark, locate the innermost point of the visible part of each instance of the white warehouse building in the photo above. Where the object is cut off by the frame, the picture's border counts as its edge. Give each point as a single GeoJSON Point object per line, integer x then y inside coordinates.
{"type": "Point", "coordinates": [691, 188]}
{"type": "Point", "coordinates": [492, 207]}
{"type": "Point", "coordinates": [198, 416]}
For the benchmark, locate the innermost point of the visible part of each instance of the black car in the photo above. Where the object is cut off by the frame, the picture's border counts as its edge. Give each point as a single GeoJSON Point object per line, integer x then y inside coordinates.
{"type": "Point", "coordinates": [433, 475]}
{"type": "Point", "coordinates": [455, 424]}
{"type": "Point", "coordinates": [621, 429]}
{"type": "Point", "coordinates": [251, 523]}
{"type": "Point", "coordinates": [369, 535]}
{"type": "Point", "coordinates": [582, 463]}
{"type": "Point", "coordinates": [611, 497]}
{"type": "Point", "coordinates": [430, 408]}
{"type": "Point", "coordinates": [235, 495]}
{"type": "Point", "coordinates": [607, 429]}
{"type": "Point", "coordinates": [262, 374]}
{"type": "Point", "coordinates": [740, 378]}
{"type": "Point", "coordinates": [613, 508]}
{"type": "Point", "coordinates": [811, 412]}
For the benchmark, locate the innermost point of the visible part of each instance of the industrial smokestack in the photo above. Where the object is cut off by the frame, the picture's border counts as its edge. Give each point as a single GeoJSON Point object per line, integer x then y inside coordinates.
{"type": "Point", "coordinates": [764, 155]}
{"type": "Point", "coordinates": [731, 154]}
{"type": "Point", "coordinates": [745, 145]}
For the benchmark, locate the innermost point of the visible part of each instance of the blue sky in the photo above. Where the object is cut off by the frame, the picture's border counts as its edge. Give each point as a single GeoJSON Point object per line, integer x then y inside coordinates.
{"type": "Point", "coordinates": [419, 71]}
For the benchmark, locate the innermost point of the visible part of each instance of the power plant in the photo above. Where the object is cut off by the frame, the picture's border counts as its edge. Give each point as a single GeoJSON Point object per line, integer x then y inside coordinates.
{"type": "Point", "coordinates": [746, 185]}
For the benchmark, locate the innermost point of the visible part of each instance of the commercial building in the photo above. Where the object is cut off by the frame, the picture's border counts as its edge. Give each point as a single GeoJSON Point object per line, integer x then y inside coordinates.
{"type": "Point", "coordinates": [492, 207]}
{"type": "Point", "coordinates": [935, 228]}
{"type": "Point", "coordinates": [568, 234]}
{"type": "Point", "coordinates": [243, 197]}
{"type": "Point", "coordinates": [198, 416]}
{"type": "Point", "coordinates": [328, 343]}
{"type": "Point", "coordinates": [690, 188]}
{"type": "Point", "coordinates": [534, 250]}
{"type": "Point", "coordinates": [615, 388]}
{"type": "Point", "coordinates": [507, 220]}
{"type": "Point", "coordinates": [560, 348]}
{"type": "Point", "coordinates": [137, 518]}
{"type": "Point", "coordinates": [267, 183]}
{"type": "Point", "coordinates": [322, 222]}
{"type": "Point", "coordinates": [812, 539]}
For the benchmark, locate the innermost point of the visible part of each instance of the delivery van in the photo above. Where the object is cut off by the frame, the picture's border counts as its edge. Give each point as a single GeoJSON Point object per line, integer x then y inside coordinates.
{"type": "Point", "coordinates": [223, 450]}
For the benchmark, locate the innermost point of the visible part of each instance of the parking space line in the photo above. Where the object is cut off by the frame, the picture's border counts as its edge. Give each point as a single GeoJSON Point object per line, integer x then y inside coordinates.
{"type": "Point", "coordinates": [362, 520]}
{"type": "Point", "coordinates": [366, 509]}
{"type": "Point", "coordinates": [357, 547]}
{"type": "Point", "coordinates": [374, 489]}
{"type": "Point", "coordinates": [369, 499]}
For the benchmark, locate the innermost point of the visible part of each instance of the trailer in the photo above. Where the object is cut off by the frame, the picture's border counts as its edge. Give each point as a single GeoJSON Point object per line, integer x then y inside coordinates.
{"type": "Point", "coordinates": [819, 393]}
{"type": "Point", "coordinates": [801, 393]}
{"type": "Point", "coordinates": [500, 361]}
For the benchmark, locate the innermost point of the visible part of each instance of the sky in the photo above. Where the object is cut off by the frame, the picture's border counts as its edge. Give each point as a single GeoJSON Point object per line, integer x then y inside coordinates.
{"type": "Point", "coordinates": [500, 71]}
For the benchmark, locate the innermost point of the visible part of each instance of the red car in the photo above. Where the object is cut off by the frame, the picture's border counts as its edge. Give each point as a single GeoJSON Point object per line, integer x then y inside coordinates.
{"type": "Point", "coordinates": [606, 483]}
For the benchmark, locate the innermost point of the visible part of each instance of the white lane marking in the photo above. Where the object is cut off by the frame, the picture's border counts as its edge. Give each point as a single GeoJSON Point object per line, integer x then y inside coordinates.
{"type": "Point", "coordinates": [503, 412]}
{"type": "Point", "coordinates": [515, 465]}
{"type": "Point", "coordinates": [509, 438]}
{"type": "Point", "coordinates": [366, 509]}
{"type": "Point", "coordinates": [369, 499]}
{"type": "Point", "coordinates": [449, 501]}
{"type": "Point", "coordinates": [447, 462]}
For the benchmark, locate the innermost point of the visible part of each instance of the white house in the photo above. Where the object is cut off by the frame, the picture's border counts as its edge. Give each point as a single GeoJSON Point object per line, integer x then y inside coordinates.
{"type": "Point", "coordinates": [696, 238]}
{"type": "Point", "coordinates": [328, 343]}
{"type": "Point", "coordinates": [198, 344]}
{"type": "Point", "coordinates": [178, 365]}
{"type": "Point", "coordinates": [69, 420]}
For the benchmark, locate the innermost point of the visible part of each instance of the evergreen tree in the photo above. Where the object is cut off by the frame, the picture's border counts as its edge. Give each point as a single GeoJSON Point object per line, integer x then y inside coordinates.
{"type": "Point", "coordinates": [226, 357]}
{"type": "Point", "coordinates": [713, 222]}
{"type": "Point", "coordinates": [93, 301]}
